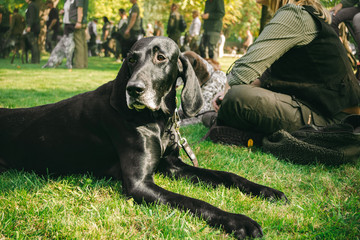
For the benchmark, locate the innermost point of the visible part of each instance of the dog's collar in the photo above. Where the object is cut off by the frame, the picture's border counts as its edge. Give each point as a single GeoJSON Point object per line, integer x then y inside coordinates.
{"type": "Point", "coordinates": [182, 142]}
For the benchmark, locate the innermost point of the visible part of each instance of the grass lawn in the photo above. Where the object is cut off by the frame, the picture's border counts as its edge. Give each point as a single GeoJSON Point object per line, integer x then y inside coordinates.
{"type": "Point", "coordinates": [324, 201]}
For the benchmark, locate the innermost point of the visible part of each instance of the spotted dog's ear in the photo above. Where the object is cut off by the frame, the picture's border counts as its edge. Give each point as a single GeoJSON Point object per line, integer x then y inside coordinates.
{"type": "Point", "coordinates": [199, 66]}
{"type": "Point", "coordinates": [191, 97]}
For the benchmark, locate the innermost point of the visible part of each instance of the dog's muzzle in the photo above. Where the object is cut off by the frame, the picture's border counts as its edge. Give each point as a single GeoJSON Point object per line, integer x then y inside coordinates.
{"type": "Point", "coordinates": [134, 91]}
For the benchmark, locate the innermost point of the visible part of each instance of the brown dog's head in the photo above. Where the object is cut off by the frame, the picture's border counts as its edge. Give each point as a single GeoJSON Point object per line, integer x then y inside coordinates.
{"type": "Point", "coordinates": [200, 67]}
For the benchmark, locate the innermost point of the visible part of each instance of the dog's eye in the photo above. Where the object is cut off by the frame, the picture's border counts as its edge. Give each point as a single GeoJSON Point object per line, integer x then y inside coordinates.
{"type": "Point", "coordinates": [160, 57]}
{"type": "Point", "coordinates": [132, 60]}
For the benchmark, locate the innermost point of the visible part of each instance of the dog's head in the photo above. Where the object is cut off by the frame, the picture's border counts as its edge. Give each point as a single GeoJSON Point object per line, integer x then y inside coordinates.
{"type": "Point", "coordinates": [149, 75]}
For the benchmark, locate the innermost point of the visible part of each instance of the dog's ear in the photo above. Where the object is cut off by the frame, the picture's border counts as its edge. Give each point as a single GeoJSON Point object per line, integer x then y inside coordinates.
{"type": "Point", "coordinates": [199, 66]}
{"type": "Point", "coordinates": [191, 97]}
{"type": "Point", "coordinates": [118, 93]}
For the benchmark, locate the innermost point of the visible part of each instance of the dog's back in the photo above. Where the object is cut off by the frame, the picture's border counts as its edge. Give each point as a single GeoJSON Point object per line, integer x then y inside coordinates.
{"type": "Point", "coordinates": [63, 137]}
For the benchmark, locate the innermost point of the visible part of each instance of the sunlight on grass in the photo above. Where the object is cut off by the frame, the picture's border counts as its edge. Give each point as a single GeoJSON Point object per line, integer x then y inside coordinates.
{"type": "Point", "coordinates": [324, 201]}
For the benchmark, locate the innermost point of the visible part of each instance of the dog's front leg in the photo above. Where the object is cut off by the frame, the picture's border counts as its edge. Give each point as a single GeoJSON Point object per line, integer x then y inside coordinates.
{"type": "Point", "coordinates": [240, 225]}
{"type": "Point", "coordinates": [137, 176]}
{"type": "Point", "coordinates": [173, 165]}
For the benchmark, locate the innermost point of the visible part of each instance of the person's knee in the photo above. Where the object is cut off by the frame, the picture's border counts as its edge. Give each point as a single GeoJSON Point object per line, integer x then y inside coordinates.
{"type": "Point", "coordinates": [244, 95]}
{"type": "Point", "coordinates": [239, 104]}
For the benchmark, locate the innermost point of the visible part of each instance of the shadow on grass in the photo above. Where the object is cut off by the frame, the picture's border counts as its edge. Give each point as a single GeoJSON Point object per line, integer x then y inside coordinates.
{"type": "Point", "coordinates": [32, 182]}
{"type": "Point", "coordinates": [14, 98]}
{"type": "Point", "coordinates": [94, 63]}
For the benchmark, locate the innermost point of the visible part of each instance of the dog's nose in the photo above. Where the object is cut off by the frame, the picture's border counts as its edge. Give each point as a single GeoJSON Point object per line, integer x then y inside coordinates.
{"type": "Point", "coordinates": [135, 89]}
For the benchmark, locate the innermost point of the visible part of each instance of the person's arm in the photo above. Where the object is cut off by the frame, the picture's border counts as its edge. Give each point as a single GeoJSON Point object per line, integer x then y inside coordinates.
{"type": "Point", "coordinates": [131, 24]}
{"type": "Point", "coordinates": [55, 18]}
{"type": "Point", "coordinates": [53, 22]}
{"type": "Point", "coordinates": [30, 16]}
{"type": "Point", "coordinates": [12, 23]}
{"type": "Point", "coordinates": [337, 8]}
{"type": "Point", "coordinates": [291, 26]}
{"type": "Point", "coordinates": [80, 14]}
{"type": "Point", "coordinates": [106, 34]}
{"type": "Point", "coordinates": [220, 11]}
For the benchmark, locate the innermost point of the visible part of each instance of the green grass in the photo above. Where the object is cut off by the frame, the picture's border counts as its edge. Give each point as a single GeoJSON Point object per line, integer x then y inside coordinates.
{"type": "Point", "coordinates": [324, 201]}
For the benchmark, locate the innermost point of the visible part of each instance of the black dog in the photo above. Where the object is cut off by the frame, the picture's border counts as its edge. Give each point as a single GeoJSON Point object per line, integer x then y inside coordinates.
{"type": "Point", "coordinates": [124, 129]}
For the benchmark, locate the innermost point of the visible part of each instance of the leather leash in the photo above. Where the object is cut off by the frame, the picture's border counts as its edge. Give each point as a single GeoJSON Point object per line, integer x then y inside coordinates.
{"type": "Point", "coordinates": [182, 142]}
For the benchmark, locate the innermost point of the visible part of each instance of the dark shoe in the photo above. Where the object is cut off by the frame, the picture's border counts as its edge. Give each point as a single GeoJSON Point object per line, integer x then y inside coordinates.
{"type": "Point", "coordinates": [233, 136]}
{"type": "Point", "coordinates": [209, 119]}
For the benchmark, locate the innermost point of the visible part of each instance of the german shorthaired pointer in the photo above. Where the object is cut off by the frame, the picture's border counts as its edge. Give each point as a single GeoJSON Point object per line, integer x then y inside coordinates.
{"type": "Point", "coordinates": [122, 130]}
{"type": "Point", "coordinates": [211, 79]}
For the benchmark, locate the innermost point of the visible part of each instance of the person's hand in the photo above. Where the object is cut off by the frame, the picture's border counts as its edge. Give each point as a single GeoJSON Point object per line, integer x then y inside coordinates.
{"type": "Point", "coordinates": [77, 25]}
{"type": "Point", "coordinates": [337, 8]}
{"type": "Point", "coordinates": [205, 16]}
{"type": "Point", "coordinates": [256, 83]}
{"type": "Point", "coordinates": [127, 33]}
{"type": "Point", "coordinates": [216, 102]}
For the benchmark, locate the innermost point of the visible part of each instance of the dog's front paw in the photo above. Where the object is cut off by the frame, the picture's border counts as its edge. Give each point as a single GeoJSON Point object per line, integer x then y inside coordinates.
{"type": "Point", "coordinates": [273, 194]}
{"type": "Point", "coordinates": [242, 226]}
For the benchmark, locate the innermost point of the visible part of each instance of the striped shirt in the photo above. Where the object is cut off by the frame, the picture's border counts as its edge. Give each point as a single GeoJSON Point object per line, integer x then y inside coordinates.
{"type": "Point", "coordinates": [292, 26]}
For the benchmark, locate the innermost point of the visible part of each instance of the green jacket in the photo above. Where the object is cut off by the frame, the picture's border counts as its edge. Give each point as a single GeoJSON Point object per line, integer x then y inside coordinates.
{"type": "Point", "coordinates": [17, 24]}
{"type": "Point", "coordinates": [73, 10]}
{"type": "Point", "coordinates": [216, 10]}
{"type": "Point", "coordinates": [173, 24]}
{"type": "Point", "coordinates": [137, 25]}
{"type": "Point", "coordinates": [32, 18]}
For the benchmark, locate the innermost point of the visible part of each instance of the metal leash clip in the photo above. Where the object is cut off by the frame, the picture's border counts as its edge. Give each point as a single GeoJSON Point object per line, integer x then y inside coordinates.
{"type": "Point", "coordinates": [182, 142]}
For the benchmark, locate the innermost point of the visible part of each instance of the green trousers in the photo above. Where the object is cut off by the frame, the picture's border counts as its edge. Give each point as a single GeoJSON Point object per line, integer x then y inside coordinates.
{"type": "Point", "coordinates": [247, 107]}
{"type": "Point", "coordinates": [32, 39]}
{"type": "Point", "coordinates": [209, 41]}
{"type": "Point", "coordinates": [80, 59]}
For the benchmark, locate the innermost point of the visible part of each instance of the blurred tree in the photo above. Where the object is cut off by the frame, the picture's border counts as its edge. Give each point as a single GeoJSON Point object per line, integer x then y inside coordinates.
{"type": "Point", "coordinates": [240, 14]}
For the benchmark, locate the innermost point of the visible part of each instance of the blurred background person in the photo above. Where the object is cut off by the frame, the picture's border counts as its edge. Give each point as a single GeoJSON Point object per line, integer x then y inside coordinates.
{"type": "Point", "coordinates": [106, 37]}
{"type": "Point", "coordinates": [33, 30]}
{"type": "Point", "coordinates": [52, 26]}
{"type": "Point", "coordinates": [221, 44]}
{"type": "Point", "coordinates": [149, 30]}
{"type": "Point", "coordinates": [133, 30]}
{"type": "Point", "coordinates": [4, 30]}
{"type": "Point", "coordinates": [92, 29]}
{"type": "Point", "coordinates": [213, 15]}
{"type": "Point", "coordinates": [158, 28]}
{"type": "Point", "coordinates": [347, 10]}
{"type": "Point", "coordinates": [17, 27]}
{"type": "Point", "coordinates": [78, 16]}
{"type": "Point", "coordinates": [248, 40]}
{"type": "Point", "coordinates": [194, 31]}
{"type": "Point", "coordinates": [119, 36]}
{"type": "Point", "coordinates": [173, 29]}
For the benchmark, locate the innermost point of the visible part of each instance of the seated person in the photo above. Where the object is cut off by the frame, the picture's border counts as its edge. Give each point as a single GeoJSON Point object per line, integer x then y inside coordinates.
{"type": "Point", "coordinates": [346, 11]}
{"type": "Point", "coordinates": [308, 78]}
